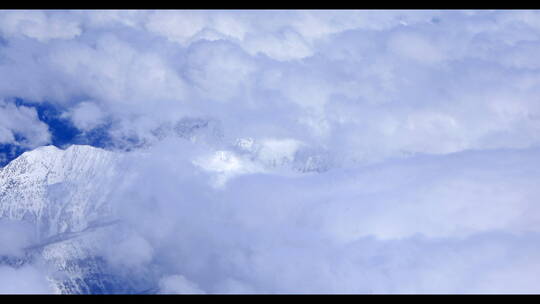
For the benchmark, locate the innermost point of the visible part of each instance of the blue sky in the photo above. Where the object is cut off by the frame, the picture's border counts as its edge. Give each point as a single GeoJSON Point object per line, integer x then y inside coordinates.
{"type": "Point", "coordinates": [297, 151]}
{"type": "Point", "coordinates": [62, 131]}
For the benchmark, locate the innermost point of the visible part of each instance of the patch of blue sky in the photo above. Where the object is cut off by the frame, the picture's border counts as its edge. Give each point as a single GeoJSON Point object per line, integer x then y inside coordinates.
{"type": "Point", "coordinates": [63, 132]}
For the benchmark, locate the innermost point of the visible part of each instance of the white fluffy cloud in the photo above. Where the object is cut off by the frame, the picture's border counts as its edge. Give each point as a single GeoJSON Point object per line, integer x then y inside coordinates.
{"type": "Point", "coordinates": [413, 138]}
{"type": "Point", "coordinates": [87, 116]}
{"type": "Point", "coordinates": [24, 280]}
{"type": "Point", "coordinates": [38, 25]}
{"type": "Point", "coordinates": [463, 223]}
{"type": "Point", "coordinates": [21, 125]}
{"type": "Point", "coordinates": [368, 84]}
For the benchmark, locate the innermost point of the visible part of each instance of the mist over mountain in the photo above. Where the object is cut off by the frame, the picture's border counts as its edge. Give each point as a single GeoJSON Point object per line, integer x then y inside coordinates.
{"type": "Point", "coordinates": [269, 151]}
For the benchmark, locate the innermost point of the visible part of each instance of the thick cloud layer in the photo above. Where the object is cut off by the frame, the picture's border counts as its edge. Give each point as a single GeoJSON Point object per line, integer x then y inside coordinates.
{"type": "Point", "coordinates": [366, 85]}
{"type": "Point", "coordinates": [300, 151]}
{"type": "Point", "coordinates": [447, 224]}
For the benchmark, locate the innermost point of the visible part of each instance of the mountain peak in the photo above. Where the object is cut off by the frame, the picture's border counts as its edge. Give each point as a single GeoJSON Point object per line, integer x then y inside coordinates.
{"type": "Point", "coordinates": [57, 190]}
{"type": "Point", "coordinates": [65, 196]}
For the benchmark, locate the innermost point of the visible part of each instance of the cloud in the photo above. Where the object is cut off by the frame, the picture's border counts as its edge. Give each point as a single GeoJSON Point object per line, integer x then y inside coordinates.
{"type": "Point", "coordinates": [462, 223]}
{"type": "Point", "coordinates": [24, 280]}
{"type": "Point", "coordinates": [28, 278]}
{"type": "Point", "coordinates": [20, 125]}
{"type": "Point", "coordinates": [87, 116]}
{"type": "Point", "coordinates": [178, 284]}
{"type": "Point", "coordinates": [39, 25]}
{"type": "Point", "coordinates": [300, 151]}
{"type": "Point", "coordinates": [129, 252]}
{"type": "Point", "coordinates": [14, 237]}
{"type": "Point", "coordinates": [369, 85]}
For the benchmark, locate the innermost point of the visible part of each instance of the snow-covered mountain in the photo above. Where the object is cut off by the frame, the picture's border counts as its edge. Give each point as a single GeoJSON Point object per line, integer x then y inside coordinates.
{"type": "Point", "coordinates": [67, 197]}
{"type": "Point", "coordinates": [60, 191]}
{"type": "Point", "coordinates": [64, 194]}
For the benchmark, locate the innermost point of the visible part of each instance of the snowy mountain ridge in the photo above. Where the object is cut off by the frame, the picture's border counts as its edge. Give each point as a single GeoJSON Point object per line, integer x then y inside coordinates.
{"type": "Point", "coordinates": [57, 190]}
{"type": "Point", "coordinates": [64, 194]}
{"type": "Point", "coordinates": [67, 196]}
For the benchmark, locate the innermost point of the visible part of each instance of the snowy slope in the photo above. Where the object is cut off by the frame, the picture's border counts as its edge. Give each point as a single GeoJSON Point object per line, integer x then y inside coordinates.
{"type": "Point", "coordinates": [67, 195]}
{"type": "Point", "coordinates": [64, 194]}
{"type": "Point", "coordinates": [57, 190]}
